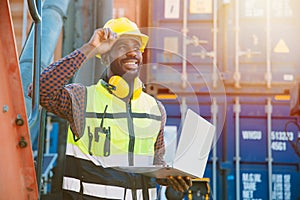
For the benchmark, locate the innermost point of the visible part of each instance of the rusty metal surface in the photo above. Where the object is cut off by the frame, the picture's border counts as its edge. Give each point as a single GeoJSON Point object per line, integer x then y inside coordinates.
{"type": "Point", "coordinates": [17, 173]}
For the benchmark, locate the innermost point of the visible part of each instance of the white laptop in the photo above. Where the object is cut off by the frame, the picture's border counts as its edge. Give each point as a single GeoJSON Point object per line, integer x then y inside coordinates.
{"type": "Point", "coordinates": [192, 152]}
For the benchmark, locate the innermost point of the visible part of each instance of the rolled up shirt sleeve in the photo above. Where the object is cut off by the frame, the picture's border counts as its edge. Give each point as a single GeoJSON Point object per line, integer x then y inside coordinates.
{"type": "Point", "coordinates": [57, 96]}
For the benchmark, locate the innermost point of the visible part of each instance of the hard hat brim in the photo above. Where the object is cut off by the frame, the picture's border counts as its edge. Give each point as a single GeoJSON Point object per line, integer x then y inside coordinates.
{"type": "Point", "coordinates": [144, 40]}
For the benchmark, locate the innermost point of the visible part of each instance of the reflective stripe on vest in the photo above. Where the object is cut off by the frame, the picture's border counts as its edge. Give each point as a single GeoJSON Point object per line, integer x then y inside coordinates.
{"type": "Point", "coordinates": [104, 191]}
{"type": "Point", "coordinates": [71, 184]}
{"type": "Point", "coordinates": [114, 128]}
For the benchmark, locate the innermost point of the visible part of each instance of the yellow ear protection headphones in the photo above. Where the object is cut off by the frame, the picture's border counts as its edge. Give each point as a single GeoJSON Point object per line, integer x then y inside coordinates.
{"type": "Point", "coordinates": [119, 87]}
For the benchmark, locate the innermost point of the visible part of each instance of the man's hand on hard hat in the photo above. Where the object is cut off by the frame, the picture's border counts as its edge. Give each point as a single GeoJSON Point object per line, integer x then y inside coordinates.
{"type": "Point", "coordinates": [178, 183]}
{"type": "Point", "coordinates": [101, 42]}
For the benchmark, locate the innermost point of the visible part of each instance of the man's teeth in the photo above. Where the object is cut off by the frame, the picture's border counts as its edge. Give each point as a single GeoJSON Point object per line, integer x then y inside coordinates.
{"type": "Point", "coordinates": [130, 63]}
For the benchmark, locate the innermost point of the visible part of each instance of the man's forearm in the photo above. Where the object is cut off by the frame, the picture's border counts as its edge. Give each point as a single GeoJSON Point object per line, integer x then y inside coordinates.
{"type": "Point", "coordinates": [88, 50]}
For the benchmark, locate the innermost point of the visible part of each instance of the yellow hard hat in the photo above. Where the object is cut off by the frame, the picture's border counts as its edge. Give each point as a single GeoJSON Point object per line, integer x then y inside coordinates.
{"type": "Point", "coordinates": [123, 26]}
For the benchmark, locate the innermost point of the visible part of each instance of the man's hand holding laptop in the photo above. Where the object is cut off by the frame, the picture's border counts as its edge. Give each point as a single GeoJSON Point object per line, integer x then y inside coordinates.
{"type": "Point", "coordinates": [178, 183]}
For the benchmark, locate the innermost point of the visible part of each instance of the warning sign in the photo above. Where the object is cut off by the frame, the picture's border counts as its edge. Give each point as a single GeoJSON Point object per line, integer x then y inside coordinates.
{"type": "Point", "coordinates": [281, 47]}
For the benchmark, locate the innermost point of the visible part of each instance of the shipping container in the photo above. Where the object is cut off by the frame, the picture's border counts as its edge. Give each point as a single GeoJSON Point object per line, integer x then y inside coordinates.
{"type": "Point", "coordinates": [234, 62]}
{"type": "Point", "coordinates": [254, 182]}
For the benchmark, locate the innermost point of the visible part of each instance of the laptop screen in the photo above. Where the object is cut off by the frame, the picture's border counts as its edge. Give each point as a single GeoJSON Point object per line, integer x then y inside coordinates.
{"type": "Point", "coordinates": [194, 144]}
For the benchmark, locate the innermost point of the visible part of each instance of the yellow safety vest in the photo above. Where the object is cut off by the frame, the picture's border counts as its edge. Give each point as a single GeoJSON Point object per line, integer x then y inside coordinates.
{"type": "Point", "coordinates": [117, 133]}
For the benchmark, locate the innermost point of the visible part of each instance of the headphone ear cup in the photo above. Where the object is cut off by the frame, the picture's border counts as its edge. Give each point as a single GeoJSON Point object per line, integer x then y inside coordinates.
{"type": "Point", "coordinates": [122, 87]}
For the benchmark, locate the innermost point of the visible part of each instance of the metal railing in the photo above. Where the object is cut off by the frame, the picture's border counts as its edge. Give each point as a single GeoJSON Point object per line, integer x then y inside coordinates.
{"type": "Point", "coordinates": [35, 9]}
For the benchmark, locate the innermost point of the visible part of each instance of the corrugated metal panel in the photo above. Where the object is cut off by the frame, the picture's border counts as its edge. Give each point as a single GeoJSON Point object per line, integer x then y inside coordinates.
{"type": "Point", "coordinates": [253, 144]}
{"type": "Point", "coordinates": [254, 181]}
{"type": "Point", "coordinates": [266, 34]}
{"type": "Point", "coordinates": [167, 47]}
{"type": "Point", "coordinates": [253, 131]}
{"type": "Point", "coordinates": [254, 44]}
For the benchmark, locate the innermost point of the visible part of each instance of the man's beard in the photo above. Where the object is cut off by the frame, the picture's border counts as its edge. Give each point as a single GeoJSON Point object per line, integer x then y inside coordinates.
{"type": "Point", "coordinates": [128, 76]}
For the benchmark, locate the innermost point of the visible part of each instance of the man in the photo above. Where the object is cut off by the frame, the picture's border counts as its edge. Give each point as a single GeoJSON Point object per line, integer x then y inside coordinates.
{"type": "Point", "coordinates": [113, 122]}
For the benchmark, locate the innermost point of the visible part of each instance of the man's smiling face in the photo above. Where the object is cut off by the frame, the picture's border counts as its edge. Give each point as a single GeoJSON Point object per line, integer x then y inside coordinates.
{"type": "Point", "coordinates": [126, 57]}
